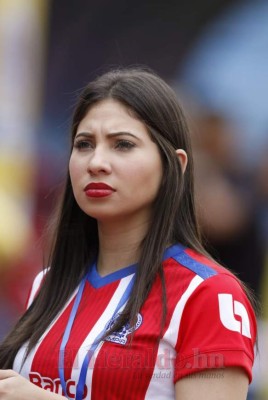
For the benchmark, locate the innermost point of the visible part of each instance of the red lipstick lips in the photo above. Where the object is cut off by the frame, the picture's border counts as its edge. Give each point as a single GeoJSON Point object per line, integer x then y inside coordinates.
{"type": "Point", "coordinates": [98, 189]}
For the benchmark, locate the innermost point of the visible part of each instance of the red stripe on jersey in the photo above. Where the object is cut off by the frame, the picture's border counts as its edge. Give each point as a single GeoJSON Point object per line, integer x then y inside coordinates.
{"type": "Point", "coordinates": [46, 358]}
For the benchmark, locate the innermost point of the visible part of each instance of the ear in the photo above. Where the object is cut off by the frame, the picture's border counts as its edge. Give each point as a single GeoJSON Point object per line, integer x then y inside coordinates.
{"type": "Point", "coordinates": [183, 159]}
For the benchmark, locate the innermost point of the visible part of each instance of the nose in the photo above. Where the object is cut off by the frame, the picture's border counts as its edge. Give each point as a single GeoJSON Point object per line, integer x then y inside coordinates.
{"type": "Point", "coordinates": [98, 162]}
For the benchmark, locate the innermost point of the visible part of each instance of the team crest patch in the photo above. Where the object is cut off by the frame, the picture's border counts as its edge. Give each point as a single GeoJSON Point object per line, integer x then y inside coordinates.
{"type": "Point", "coordinates": [120, 337]}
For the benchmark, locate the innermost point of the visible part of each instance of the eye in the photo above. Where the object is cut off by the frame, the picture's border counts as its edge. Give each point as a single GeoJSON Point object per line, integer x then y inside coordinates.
{"type": "Point", "coordinates": [124, 145]}
{"type": "Point", "coordinates": [83, 144]}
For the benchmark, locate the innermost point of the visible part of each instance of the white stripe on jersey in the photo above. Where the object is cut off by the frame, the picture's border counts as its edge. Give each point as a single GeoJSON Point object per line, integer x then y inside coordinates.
{"type": "Point", "coordinates": [36, 284]}
{"type": "Point", "coordinates": [162, 379]}
{"type": "Point", "coordinates": [95, 331]}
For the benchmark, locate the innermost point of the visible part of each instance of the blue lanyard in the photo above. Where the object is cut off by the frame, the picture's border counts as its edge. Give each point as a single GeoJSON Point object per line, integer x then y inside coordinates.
{"type": "Point", "coordinates": [67, 333]}
{"type": "Point", "coordinates": [96, 342]}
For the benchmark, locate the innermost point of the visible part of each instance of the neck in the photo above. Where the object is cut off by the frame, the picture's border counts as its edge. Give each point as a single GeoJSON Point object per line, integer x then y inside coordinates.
{"type": "Point", "coordinates": [119, 245]}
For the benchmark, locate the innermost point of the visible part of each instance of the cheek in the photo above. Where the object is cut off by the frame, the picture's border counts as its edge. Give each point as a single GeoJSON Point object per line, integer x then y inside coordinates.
{"type": "Point", "coordinates": [74, 166]}
{"type": "Point", "coordinates": [74, 171]}
{"type": "Point", "coordinates": [146, 176]}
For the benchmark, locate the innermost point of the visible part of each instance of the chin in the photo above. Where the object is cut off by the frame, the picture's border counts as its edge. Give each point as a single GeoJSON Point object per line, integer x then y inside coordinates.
{"type": "Point", "coordinates": [102, 216]}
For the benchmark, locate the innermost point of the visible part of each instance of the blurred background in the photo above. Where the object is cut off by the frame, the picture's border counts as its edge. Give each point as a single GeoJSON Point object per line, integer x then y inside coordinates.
{"type": "Point", "coordinates": [213, 53]}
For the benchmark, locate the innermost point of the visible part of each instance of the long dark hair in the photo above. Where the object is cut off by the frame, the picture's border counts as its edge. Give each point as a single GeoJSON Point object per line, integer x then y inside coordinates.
{"type": "Point", "coordinates": [75, 242]}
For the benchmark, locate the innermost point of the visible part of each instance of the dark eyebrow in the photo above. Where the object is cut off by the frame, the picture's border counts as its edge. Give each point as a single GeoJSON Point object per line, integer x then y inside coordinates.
{"type": "Point", "coordinates": [113, 134]}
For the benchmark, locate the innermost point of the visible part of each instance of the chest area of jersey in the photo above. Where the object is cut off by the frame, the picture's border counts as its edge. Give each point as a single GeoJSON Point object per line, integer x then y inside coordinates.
{"type": "Point", "coordinates": [130, 354]}
{"type": "Point", "coordinates": [95, 315]}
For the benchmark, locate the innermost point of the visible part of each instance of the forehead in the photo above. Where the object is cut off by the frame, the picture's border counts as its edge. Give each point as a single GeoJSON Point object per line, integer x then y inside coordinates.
{"type": "Point", "coordinates": [111, 113]}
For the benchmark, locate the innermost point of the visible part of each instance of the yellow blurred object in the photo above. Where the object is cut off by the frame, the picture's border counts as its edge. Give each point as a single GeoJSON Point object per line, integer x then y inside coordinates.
{"type": "Point", "coordinates": [23, 38]}
{"type": "Point", "coordinates": [15, 229]}
{"type": "Point", "coordinates": [16, 175]}
{"type": "Point", "coordinates": [16, 189]}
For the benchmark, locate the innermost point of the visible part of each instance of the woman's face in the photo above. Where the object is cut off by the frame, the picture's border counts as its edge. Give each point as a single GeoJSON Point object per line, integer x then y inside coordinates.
{"type": "Point", "coordinates": [115, 167]}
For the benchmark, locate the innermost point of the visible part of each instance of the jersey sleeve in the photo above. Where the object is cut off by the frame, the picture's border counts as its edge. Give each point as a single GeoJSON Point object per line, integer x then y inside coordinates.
{"type": "Point", "coordinates": [217, 330]}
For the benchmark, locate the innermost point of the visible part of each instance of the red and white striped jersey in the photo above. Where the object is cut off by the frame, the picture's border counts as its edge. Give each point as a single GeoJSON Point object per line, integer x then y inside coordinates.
{"type": "Point", "coordinates": [209, 324]}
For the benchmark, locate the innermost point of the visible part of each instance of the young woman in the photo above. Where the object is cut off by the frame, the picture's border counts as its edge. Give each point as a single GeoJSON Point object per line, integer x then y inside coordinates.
{"type": "Point", "coordinates": [131, 306]}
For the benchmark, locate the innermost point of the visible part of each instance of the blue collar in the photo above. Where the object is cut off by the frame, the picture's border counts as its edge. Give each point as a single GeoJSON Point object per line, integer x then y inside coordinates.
{"type": "Point", "coordinates": [98, 281]}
